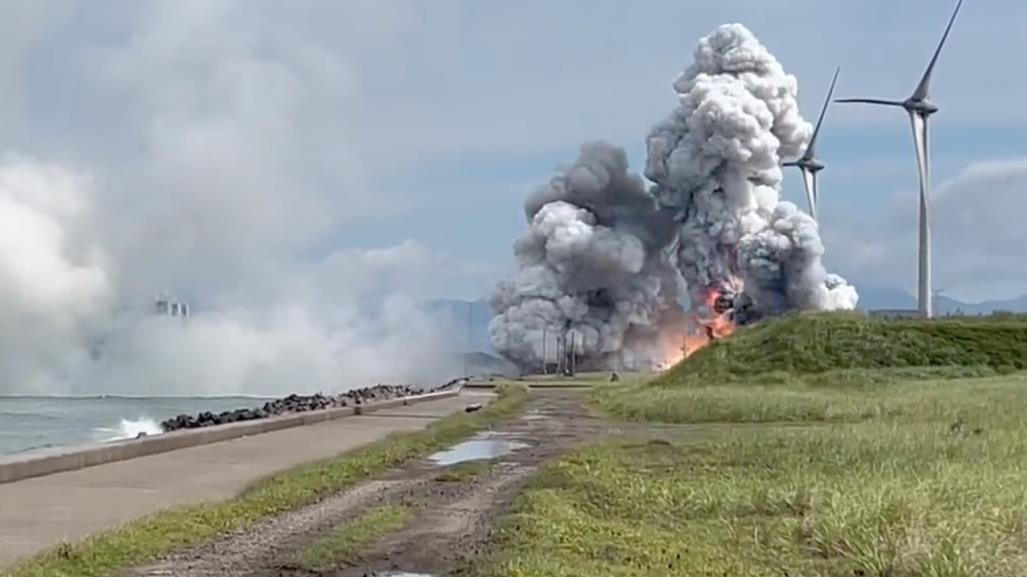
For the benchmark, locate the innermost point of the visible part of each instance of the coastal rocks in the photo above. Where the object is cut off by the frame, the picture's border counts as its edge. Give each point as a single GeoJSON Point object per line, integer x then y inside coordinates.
{"type": "Point", "coordinates": [297, 404]}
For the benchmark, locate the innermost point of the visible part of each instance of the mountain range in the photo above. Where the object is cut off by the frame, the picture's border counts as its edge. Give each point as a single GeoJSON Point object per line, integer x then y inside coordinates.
{"type": "Point", "coordinates": [874, 298]}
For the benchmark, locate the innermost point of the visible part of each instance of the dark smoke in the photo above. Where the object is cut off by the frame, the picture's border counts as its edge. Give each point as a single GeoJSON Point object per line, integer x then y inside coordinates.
{"type": "Point", "coordinates": [603, 257]}
{"type": "Point", "coordinates": [592, 265]}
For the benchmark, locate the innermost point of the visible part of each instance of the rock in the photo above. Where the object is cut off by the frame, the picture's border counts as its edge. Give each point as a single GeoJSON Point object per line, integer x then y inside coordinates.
{"type": "Point", "coordinates": [472, 408]}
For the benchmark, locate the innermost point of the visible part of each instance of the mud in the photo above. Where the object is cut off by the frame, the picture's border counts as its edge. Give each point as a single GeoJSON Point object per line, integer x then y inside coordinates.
{"type": "Point", "coordinates": [451, 524]}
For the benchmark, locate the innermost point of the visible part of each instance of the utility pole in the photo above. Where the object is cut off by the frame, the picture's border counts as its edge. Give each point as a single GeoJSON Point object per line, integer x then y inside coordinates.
{"type": "Point", "coordinates": [574, 353]}
{"type": "Point", "coordinates": [544, 369]}
{"type": "Point", "coordinates": [467, 355]}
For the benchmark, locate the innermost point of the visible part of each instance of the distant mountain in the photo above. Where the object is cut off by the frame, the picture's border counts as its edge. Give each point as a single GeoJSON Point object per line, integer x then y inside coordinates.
{"type": "Point", "coordinates": [874, 298]}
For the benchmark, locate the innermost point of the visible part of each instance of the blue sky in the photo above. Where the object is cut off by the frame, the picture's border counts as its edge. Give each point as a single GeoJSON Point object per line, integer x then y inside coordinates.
{"type": "Point", "coordinates": [419, 127]}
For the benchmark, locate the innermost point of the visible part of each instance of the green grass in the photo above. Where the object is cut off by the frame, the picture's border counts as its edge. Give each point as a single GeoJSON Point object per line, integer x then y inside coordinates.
{"type": "Point", "coordinates": [108, 553]}
{"type": "Point", "coordinates": [803, 401]}
{"type": "Point", "coordinates": [932, 486]}
{"type": "Point", "coordinates": [825, 367]}
{"type": "Point", "coordinates": [343, 546]}
{"type": "Point", "coordinates": [815, 343]}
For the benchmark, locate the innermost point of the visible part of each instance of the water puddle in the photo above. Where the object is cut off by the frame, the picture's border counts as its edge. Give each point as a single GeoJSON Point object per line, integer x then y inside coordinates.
{"type": "Point", "coordinates": [402, 574]}
{"type": "Point", "coordinates": [483, 446]}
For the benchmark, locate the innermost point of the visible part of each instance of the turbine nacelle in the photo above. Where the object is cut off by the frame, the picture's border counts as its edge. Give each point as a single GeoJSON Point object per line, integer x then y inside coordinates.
{"type": "Point", "coordinates": [811, 164]}
{"type": "Point", "coordinates": [922, 107]}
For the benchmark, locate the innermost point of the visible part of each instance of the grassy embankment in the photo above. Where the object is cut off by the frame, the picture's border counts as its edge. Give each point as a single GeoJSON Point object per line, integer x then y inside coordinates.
{"type": "Point", "coordinates": [109, 553]}
{"type": "Point", "coordinates": [914, 465]}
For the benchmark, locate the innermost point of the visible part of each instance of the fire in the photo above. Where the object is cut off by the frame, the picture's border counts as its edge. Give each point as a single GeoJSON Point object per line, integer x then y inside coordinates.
{"type": "Point", "coordinates": [700, 332]}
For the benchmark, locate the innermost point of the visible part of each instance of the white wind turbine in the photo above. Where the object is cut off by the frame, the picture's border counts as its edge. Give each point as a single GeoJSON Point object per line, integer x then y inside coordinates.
{"type": "Point", "coordinates": [920, 108]}
{"type": "Point", "coordinates": [809, 165]}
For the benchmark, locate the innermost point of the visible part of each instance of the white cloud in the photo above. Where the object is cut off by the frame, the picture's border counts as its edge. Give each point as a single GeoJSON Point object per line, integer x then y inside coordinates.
{"type": "Point", "coordinates": [978, 237]}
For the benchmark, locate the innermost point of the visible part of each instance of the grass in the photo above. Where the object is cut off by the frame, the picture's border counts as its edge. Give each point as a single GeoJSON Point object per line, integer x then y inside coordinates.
{"type": "Point", "coordinates": [343, 546]}
{"type": "Point", "coordinates": [848, 399]}
{"type": "Point", "coordinates": [930, 486]}
{"type": "Point", "coordinates": [915, 469]}
{"type": "Point", "coordinates": [805, 344]}
{"type": "Point", "coordinates": [825, 367]}
{"type": "Point", "coordinates": [108, 553]}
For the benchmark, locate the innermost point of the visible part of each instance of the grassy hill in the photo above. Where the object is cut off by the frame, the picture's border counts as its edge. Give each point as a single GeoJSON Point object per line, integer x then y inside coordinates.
{"type": "Point", "coordinates": [810, 344]}
{"type": "Point", "coordinates": [815, 445]}
{"type": "Point", "coordinates": [826, 367]}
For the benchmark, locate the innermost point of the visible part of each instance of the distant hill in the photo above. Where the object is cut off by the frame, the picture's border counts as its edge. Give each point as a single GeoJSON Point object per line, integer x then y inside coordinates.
{"type": "Point", "coordinates": [873, 298]}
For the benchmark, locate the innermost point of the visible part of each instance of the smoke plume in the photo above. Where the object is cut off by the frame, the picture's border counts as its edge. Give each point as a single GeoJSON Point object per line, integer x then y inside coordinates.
{"type": "Point", "coordinates": [593, 259]}
{"type": "Point", "coordinates": [591, 267]}
{"type": "Point", "coordinates": [717, 161]}
{"type": "Point", "coordinates": [209, 113]}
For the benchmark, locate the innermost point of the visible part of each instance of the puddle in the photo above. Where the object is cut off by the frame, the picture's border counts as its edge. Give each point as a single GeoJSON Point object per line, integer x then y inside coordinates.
{"type": "Point", "coordinates": [483, 446]}
{"type": "Point", "coordinates": [402, 574]}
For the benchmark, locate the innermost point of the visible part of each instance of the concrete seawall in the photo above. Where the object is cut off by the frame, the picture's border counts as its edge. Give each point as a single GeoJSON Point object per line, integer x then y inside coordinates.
{"type": "Point", "coordinates": [72, 458]}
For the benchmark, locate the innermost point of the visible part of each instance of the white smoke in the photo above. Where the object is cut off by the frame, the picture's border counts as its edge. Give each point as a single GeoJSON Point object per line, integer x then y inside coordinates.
{"type": "Point", "coordinates": [69, 326]}
{"type": "Point", "coordinates": [717, 161]}
{"type": "Point", "coordinates": [55, 285]}
{"type": "Point", "coordinates": [593, 262]}
{"type": "Point", "coordinates": [212, 200]}
{"type": "Point", "coordinates": [591, 268]}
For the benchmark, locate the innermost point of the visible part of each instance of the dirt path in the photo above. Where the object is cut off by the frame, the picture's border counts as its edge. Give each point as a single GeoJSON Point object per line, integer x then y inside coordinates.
{"type": "Point", "coordinates": [451, 521]}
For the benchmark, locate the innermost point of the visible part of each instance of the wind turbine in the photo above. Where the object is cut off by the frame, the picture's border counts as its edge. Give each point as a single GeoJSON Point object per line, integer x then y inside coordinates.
{"type": "Point", "coordinates": [920, 108]}
{"type": "Point", "coordinates": [808, 164]}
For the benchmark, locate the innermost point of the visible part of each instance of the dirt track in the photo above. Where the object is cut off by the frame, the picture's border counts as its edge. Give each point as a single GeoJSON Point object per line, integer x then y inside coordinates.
{"type": "Point", "coordinates": [451, 523]}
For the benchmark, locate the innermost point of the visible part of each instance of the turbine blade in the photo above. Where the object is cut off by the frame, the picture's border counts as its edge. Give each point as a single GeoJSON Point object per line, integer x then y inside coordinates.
{"type": "Point", "coordinates": [923, 89]}
{"type": "Point", "coordinates": [809, 185]}
{"type": "Point", "coordinates": [870, 101]}
{"type": "Point", "coordinates": [823, 111]}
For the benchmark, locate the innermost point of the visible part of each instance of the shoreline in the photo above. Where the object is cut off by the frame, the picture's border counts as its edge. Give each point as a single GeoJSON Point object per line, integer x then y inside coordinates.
{"type": "Point", "coordinates": [47, 461]}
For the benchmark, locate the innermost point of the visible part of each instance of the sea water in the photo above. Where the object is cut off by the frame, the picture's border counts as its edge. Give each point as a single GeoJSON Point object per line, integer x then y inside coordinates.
{"type": "Point", "coordinates": [30, 423]}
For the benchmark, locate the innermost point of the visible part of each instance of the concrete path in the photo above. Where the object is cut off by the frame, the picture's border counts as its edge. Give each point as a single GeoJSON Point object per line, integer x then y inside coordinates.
{"type": "Point", "coordinates": [42, 512]}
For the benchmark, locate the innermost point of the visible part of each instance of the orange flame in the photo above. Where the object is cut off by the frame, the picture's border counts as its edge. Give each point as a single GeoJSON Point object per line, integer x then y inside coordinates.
{"type": "Point", "coordinates": [718, 325]}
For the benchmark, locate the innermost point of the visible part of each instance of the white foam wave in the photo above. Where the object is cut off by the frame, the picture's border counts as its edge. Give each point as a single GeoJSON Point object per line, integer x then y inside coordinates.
{"type": "Point", "coordinates": [130, 429]}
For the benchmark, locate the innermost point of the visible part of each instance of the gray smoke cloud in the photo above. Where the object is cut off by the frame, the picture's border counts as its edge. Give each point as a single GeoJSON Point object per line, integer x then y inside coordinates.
{"type": "Point", "coordinates": [717, 161]}
{"type": "Point", "coordinates": [591, 264]}
{"type": "Point", "coordinates": [595, 257]}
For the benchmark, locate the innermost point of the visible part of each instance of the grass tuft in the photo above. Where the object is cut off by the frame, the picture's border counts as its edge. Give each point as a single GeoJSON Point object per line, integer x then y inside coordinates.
{"type": "Point", "coordinates": [343, 546]}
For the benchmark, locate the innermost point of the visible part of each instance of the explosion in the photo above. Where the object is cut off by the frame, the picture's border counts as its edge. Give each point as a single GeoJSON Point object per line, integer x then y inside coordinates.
{"type": "Point", "coordinates": [605, 256]}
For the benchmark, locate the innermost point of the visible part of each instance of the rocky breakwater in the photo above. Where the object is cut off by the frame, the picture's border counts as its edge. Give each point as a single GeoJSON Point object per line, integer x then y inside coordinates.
{"type": "Point", "coordinates": [298, 404]}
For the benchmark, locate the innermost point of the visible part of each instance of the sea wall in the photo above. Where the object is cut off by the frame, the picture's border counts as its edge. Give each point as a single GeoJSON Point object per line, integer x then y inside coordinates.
{"type": "Point", "coordinates": [15, 468]}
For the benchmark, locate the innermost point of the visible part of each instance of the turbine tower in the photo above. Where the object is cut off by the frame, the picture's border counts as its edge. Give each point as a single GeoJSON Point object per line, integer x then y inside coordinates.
{"type": "Point", "coordinates": [808, 164]}
{"type": "Point", "coordinates": [920, 108]}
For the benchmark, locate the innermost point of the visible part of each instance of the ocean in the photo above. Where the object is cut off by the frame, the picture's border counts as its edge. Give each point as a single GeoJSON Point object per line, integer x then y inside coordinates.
{"type": "Point", "coordinates": [30, 423]}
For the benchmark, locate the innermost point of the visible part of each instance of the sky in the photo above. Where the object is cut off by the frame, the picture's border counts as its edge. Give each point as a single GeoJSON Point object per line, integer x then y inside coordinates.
{"type": "Point", "coordinates": [230, 147]}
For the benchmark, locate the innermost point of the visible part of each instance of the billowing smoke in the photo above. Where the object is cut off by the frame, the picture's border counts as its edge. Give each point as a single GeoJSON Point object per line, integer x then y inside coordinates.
{"type": "Point", "coordinates": [717, 161]}
{"type": "Point", "coordinates": [70, 327]}
{"type": "Point", "coordinates": [594, 262]}
{"type": "Point", "coordinates": [592, 270]}
{"type": "Point", "coordinates": [201, 172]}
